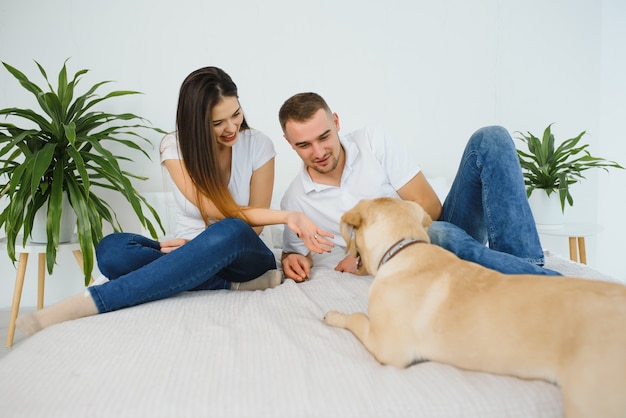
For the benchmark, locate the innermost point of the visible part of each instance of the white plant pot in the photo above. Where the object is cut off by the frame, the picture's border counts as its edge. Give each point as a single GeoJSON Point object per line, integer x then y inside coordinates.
{"type": "Point", "coordinates": [68, 223]}
{"type": "Point", "coordinates": [546, 210]}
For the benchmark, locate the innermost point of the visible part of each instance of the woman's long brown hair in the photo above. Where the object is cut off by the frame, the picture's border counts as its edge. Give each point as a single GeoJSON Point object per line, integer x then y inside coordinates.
{"type": "Point", "coordinates": [199, 93]}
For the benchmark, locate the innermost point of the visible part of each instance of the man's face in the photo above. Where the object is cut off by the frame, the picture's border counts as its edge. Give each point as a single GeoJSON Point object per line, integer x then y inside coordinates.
{"type": "Point", "coordinates": [316, 141]}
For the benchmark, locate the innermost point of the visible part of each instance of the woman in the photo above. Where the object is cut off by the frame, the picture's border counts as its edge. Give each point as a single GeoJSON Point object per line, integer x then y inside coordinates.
{"type": "Point", "coordinates": [223, 173]}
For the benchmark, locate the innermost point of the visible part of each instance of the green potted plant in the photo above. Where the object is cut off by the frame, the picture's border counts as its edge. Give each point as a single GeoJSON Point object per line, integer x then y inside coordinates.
{"type": "Point", "coordinates": [553, 169]}
{"type": "Point", "coordinates": [61, 152]}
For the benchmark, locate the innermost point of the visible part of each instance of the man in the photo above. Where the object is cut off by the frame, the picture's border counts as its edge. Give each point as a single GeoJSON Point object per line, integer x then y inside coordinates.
{"type": "Point", "coordinates": [486, 203]}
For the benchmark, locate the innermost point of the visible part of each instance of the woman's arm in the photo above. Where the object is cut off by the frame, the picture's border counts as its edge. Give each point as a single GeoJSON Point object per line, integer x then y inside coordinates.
{"type": "Point", "coordinates": [180, 176]}
{"type": "Point", "coordinates": [299, 223]}
{"type": "Point", "coordinates": [261, 187]}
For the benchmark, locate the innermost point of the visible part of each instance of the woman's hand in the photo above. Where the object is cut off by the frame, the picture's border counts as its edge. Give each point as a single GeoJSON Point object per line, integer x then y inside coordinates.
{"type": "Point", "coordinates": [172, 244]}
{"type": "Point", "coordinates": [309, 233]}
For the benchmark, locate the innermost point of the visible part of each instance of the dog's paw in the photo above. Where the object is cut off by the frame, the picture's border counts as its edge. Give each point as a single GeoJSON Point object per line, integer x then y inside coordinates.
{"type": "Point", "coordinates": [333, 318]}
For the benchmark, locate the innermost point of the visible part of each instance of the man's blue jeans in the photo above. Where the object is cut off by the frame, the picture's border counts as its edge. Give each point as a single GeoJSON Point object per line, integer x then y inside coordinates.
{"type": "Point", "coordinates": [487, 203]}
{"type": "Point", "coordinates": [225, 252]}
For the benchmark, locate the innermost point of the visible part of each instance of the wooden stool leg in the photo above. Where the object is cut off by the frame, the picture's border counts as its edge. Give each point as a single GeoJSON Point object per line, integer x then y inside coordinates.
{"type": "Point", "coordinates": [581, 250]}
{"type": "Point", "coordinates": [17, 296]}
{"type": "Point", "coordinates": [78, 255]}
{"type": "Point", "coordinates": [573, 250]}
{"type": "Point", "coordinates": [42, 278]}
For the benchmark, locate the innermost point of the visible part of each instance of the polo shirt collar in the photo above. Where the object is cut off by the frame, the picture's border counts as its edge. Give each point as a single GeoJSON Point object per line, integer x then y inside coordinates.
{"type": "Point", "coordinates": [352, 152]}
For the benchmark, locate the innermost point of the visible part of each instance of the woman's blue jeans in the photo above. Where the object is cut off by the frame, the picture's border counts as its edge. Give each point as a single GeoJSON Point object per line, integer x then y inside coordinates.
{"type": "Point", "coordinates": [225, 252]}
{"type": "Point", "coordinates": [487, 204]}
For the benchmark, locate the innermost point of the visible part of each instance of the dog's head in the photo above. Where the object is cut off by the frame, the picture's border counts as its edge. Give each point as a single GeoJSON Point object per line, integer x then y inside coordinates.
{"type": "Point", "coordinates": [374, 225]}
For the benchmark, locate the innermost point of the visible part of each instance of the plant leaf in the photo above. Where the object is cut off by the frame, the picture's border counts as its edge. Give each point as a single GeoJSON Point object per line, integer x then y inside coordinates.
{"type": "Point", "coordinates": [66, 153]}
{"type": "Point", "coordinates": [43, 160]}
{"type": "Point", "coordinates": [550, 169]}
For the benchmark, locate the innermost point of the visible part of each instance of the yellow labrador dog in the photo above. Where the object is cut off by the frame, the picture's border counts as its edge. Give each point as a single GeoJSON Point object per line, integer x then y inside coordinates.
{"type": "Point", "coordinates": [427, 304]}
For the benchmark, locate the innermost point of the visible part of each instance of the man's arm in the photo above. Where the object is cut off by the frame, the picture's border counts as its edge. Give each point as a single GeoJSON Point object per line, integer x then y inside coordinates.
{"type": "Point", "coordinates": [420, 191]}
{"type": "Point", "coordinates": [349, 264]}
{"type": "Point", "coordinates": [296, 266]}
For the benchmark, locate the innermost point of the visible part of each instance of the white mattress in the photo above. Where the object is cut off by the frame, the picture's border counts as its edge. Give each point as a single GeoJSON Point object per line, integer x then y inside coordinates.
{"type": "Point", "coordinates": [248, 354]}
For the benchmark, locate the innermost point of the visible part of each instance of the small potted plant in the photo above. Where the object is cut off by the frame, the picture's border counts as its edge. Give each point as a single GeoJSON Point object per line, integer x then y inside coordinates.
{"type": "Point", "coordinates": [549, 169]}
{"type": "Point", "coordinates": [61, 153]}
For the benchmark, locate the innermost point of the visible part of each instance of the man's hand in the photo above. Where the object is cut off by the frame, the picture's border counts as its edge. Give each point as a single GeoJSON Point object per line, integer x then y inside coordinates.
{"type": "Point", "coordinates": [296, 266]}
{"type": "Point", "coordinates": [348, 265]}
{"type": "Point", "coordinates": [170, 245]}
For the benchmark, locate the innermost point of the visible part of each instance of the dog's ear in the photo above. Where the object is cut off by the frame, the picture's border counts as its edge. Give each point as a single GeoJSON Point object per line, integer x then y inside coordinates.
{"type": "Point", "coordinates": [347, 231]}
{"type": "Point", "coordinates": [350, 221]}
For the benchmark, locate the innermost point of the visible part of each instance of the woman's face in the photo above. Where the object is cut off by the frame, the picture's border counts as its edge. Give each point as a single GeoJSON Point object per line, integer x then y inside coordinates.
{"type": "Point", "coordinates": [227, 118]}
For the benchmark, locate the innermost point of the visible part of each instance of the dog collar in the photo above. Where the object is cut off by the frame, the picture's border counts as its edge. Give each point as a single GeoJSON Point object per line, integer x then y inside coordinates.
{"type": "Point", "coordinates": [397, 247]}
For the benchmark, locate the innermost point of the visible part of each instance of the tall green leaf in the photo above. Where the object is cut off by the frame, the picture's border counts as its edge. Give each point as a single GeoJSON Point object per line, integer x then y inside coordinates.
{"type": "Point", "coordinates": [66, 154]}
{"type": "Point", "coordinates": [553, 169]}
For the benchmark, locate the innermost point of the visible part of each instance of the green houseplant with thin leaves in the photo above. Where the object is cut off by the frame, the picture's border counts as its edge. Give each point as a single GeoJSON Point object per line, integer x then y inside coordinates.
{"type": "Point", "coordinates": [62, 151]}
{"type": "Point", "coordinates": [553, 169]}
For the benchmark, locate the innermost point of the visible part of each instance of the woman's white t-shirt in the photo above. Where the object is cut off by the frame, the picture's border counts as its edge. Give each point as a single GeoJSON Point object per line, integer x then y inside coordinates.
{"type": "Point", "coordinates": [251, 151]}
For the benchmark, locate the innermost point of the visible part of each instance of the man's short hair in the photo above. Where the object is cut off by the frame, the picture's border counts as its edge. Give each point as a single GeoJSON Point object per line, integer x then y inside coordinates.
{"type": "Point", "coordinates": [301, 107]}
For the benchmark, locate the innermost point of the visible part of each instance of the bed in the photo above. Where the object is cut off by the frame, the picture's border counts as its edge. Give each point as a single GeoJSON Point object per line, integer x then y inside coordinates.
{"type": "Point", "coordinates": [249, 354]}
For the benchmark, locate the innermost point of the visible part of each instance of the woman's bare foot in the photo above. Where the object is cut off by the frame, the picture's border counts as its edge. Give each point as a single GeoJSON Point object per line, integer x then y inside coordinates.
{"type": "Point", "coordinates": [267, 280]}
{"type": "Point", "coordinates": [73, 307]}
{"type": "Point", "coordinates": [28, 324]}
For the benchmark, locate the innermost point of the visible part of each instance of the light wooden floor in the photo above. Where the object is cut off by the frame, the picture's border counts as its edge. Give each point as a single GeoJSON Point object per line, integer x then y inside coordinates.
{"type": "Point", "coordinates": [4, 327]}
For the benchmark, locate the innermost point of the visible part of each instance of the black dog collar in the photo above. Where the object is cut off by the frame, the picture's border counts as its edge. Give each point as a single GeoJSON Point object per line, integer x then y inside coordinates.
{"type": "Point", "coordinates": [397, 247]}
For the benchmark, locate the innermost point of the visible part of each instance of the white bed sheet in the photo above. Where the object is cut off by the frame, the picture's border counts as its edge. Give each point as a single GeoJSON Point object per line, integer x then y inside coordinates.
{"type": "Point", "coordinates": [248, 354]}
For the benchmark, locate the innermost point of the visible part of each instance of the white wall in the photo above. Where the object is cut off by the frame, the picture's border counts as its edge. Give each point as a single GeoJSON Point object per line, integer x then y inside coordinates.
{"type": "Point", "coordinates": [611, 188]}
{"type": "Point", "coordinates": [431, 72]}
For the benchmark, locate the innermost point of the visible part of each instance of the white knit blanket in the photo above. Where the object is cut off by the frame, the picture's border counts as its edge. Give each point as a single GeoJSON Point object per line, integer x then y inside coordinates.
{"type": "Point", "coordinates": [248, 354]}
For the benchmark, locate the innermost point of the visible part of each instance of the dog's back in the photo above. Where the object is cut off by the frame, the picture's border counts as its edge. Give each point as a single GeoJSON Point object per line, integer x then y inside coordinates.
{"type": "Point", "coordinates": [566, 330]}
{"type": "Point", "coordinates": [428, 303]}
